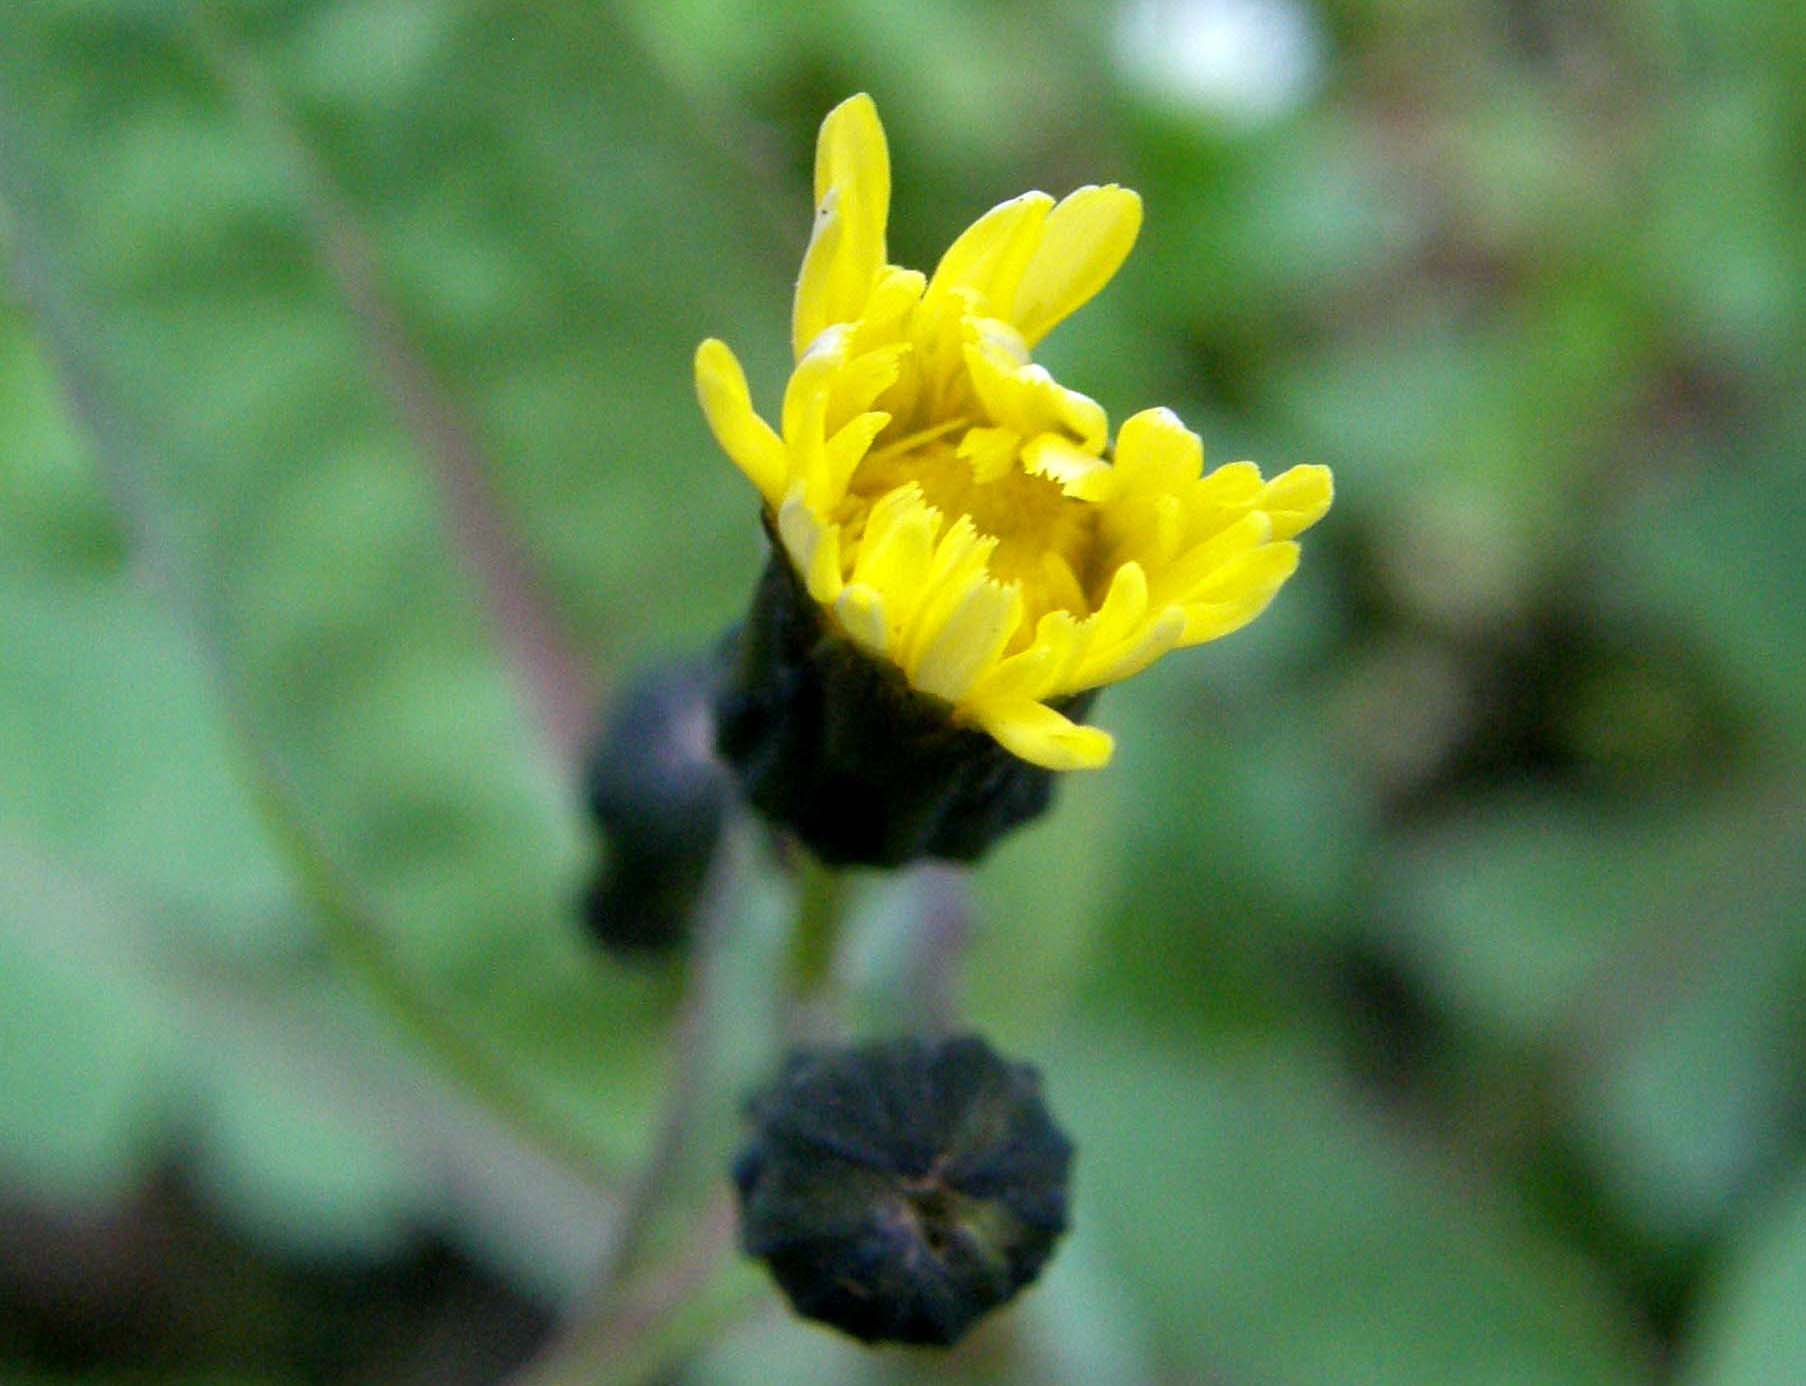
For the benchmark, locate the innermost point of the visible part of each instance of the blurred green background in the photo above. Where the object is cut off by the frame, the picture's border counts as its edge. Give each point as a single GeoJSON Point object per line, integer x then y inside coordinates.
{"type": "Point", "coordinates": [1424, 982]}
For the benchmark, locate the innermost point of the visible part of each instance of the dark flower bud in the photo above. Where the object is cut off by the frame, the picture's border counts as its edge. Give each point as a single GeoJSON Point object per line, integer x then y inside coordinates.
{"type": "Point", "coordinates": [660, 795]}
{"type": "Point", "coordinates": [903, 1189]}
{"type": "Point", "coordinates": [836, 747]}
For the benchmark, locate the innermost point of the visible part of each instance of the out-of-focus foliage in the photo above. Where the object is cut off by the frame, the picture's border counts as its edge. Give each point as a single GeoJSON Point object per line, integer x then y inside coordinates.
{"type": "Point", "coordinates": [1422, 985]}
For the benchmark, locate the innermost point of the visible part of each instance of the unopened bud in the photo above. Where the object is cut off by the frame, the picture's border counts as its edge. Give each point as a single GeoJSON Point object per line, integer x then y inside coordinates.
{"type": "Point", "coordinates": [660, 795]}
{"type": "Point", "coordinates": [903, 1189]}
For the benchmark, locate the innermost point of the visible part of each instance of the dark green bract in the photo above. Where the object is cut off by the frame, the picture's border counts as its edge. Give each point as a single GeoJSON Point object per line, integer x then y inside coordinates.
{"type": "Point", "coordinates": [903, 1189]}
{"type": "Point", "coordinates": [836, 747]}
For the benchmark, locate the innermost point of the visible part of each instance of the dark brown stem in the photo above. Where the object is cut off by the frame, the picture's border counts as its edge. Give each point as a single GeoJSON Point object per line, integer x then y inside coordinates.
{"type": "Point", "coordinates": [555, 682]}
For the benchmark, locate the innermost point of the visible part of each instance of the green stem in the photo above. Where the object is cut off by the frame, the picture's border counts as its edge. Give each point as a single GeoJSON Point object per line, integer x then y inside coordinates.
{"type": "Point", "coordinates": [631, 1320]}
{"type": "Point", "coordinates": [359, 946]}
{"type": "Point", "coordinates": [821, 906]}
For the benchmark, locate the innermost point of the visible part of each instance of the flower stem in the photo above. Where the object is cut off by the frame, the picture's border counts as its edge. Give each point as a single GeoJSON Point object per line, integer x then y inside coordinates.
{"type": "Point", "coordinates": [619, 1325]}
{"type": "Point", "coordinates": [821, 908]}
{"type": "Point", "coordinates": [943, 931]}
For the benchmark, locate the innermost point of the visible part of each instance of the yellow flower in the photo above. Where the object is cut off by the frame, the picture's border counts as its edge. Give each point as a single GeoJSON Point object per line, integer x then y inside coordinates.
{"type": "Point", "coordinates": [956, 511]}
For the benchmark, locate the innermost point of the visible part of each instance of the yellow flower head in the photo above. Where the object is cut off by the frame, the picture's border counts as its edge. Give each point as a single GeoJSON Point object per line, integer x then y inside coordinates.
{"type": "Point", "coordinates": [954, 509]}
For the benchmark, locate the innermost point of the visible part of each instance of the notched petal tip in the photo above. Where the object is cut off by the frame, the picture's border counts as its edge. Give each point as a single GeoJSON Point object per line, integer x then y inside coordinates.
{"type": "Point", "coordinates": [1077, 473]}
{"type": "Point", "coordinates": [970, 639]}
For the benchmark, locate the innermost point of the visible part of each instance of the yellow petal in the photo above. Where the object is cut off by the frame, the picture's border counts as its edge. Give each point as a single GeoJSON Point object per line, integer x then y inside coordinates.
{"type": "Point", "coordinates": [1042, 736]}
{"type": "Point", "coordinates": [1064, 634]}
{"type": "Point", "coordinates": [1084, 242]}
{"type": "Point", "coordinates": [1060, 585]}
{"type": "Point", "coordinates": [1078, 473]}
{"type": "Point", "coordinates": [1202, 562]}
{"type": "Point", "coordinates": [993, 375]}
{"type": "Point", "coordinates": [1029, 400]}
{"type": "Point", "coordinates": [1024, 677]}
{"type": "Point", "coordinates": [1122, 636]}
{"type": "Point", "coordinates": [852, 198]}
{"type": "Point", "coordinates": [1124, 607]}
{"type": "Point", "coordinates": [813, 546]}
{"type": "Point", "coordinates": [896, 551]}
{"type": "Point", "coordinates": [845, 450]}
{"type": "Point", "coordinates": [860, 611]}
{"type": "Point", "coordinates": [1262, 570]}
{"type": "Point", "coordinates": [960, 552]}
{"type": "Point", "coordinates": [991, 254]}
{"type": "Point", "coordinates": [1297, 499]}
{"type": "Point", "coordinates": [1041, 671]}
{"type": "Point", "coordinates": [862, 379]}
{"type": "Point", "coordinates": [805, 412]}
{"type": "Point", "coordinates": [1207, 621]}
{"type": "Point", "coordinates": [1156, 452]}
{"type": "Point", "coordinates": [851, 154]}
{"type": "Point", "coordinates": [969, 640]}
{"type": "Point", "coordinates": [1155, 639]}
{"type": "Point", "coordinates": [959, 562]}
{"type": "Point", "coordinates": [1083, 416]}
{"type": "Point", "coordinates": [991, 451]}
{"type": "Point", "coordinates": [1231, 601]}
{"type": "Point", "coordinates": [1233, 487]}
{"type": "Point", "coordinates": [822, 285]}
{"type": "Point", "coordinates": [893, 295]}
{"type": "Point", "coordinates": [743, 435]}
{"type": "Point", "coordinates": [1002, 343]}
{"type": "Point", "coordinates": [1164, 530]}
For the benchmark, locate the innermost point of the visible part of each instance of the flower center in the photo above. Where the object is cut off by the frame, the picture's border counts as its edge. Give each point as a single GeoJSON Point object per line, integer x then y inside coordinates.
{"type": "Point", "coordinates": [1044, 537]}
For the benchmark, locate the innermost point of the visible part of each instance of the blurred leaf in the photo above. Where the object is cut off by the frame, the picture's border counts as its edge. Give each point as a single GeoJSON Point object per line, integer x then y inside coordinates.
{"type": "Point", "coordinates": [109, 748]}
{"type": "Point", "coordinates": [1243, 833]}
{"type": "Point", "coordinates": [1042, 901]}
{"type": "Point", "coordinates": [53, 518]}
{"type": "Point", "coordinates": [1515, 907]}
{"type": "Point", "coordinates": [1693, 1107]}
{"type": "Point", "coordinates": [305, 1116]}
{"type": "Point", "coordinates": [1722, 229]}
{"type": "Point", "coordinates": [300, 1173]}
{"type": "Point", "coordinates": [83, 1065]}
{"type": "Point", "coordinates": [1715, 554]}
{"type": "Point", "coordinates": [1274, 1232]}
{"type": "Point", "coordinates": [1689, 1095]}
{"type": "Point", "coordinates": [1510, 910]}
{"type": "Point", "coordinates": [1750, 1330]}
{"type": "Point", "coordinates": [318, 547]}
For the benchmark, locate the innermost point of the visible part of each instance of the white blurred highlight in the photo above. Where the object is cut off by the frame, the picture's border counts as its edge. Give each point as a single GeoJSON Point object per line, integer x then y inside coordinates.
{"type": "Point", "coordinates": [1247, 61]}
